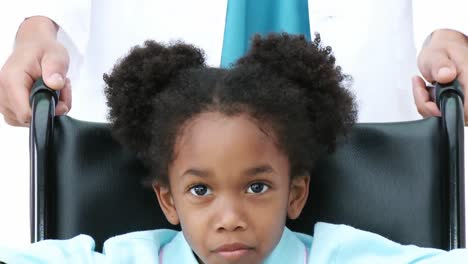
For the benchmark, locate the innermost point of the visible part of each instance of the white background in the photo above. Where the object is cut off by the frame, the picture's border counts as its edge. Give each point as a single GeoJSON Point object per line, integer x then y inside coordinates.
{"type": "Point", "coordinates": [14, 164]}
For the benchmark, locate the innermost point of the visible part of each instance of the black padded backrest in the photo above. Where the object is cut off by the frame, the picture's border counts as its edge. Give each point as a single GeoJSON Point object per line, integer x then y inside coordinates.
{"type": "Point", "coordinates": [386, 178]}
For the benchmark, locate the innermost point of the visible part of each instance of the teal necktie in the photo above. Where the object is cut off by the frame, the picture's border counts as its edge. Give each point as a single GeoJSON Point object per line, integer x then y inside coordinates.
{"type": "Point", "coordinates": [244, 18]}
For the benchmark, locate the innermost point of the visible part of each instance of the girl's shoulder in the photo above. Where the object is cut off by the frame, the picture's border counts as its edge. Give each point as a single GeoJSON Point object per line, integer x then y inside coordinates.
{"type": "Point", "coordinates": [345, 244]}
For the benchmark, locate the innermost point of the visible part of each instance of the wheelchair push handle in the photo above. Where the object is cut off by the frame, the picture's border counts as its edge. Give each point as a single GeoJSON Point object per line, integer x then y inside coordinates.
{"type": "Point", "coordinates": [449, 98]}
{"type": "Point", "coordinates": [43, 101]}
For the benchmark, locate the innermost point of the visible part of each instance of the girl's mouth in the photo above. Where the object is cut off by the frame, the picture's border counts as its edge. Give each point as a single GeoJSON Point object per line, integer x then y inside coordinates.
{"type": "Point", "coordinates": [233, 251]}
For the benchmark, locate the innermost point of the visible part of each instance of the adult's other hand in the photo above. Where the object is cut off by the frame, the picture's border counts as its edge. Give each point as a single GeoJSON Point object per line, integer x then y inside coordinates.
{"type": "Point", "coordinates": [443, 58]}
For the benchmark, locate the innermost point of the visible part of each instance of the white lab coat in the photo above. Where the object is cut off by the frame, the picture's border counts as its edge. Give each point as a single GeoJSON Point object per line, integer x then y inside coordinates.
{"type": "Point", "coordinates": [375, 41]}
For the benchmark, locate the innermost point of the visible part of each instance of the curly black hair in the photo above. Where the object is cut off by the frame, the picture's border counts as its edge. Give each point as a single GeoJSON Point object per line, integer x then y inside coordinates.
{"type": "Point", "coordinates": [285, 82]}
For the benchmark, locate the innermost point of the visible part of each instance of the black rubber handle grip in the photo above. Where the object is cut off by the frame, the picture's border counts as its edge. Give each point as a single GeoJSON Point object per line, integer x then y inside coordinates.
{"type": "Point", "coordinates": [439, 89]}
{"type": "Point", "coordinates": [39, 86]}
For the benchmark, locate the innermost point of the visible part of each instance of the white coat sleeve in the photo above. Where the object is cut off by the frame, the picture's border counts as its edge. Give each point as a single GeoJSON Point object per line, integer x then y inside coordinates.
{"type": "Point", "coordinates": [72, 16]}
{"type": "Point", "coordinates": [429, 15]}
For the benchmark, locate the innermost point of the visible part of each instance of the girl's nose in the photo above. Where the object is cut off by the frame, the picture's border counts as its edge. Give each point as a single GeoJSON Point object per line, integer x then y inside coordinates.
{"type": "Point", "coordinates": [231, 215]}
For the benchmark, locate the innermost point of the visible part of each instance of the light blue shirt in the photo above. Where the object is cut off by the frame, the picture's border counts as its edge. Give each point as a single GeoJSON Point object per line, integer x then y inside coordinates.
{"type": "Point", "coordinates": [331, 244]}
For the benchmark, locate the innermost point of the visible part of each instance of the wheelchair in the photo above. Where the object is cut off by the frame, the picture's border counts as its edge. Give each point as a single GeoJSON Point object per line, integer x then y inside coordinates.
{"type": "Point", "coordinates": [402, 180]}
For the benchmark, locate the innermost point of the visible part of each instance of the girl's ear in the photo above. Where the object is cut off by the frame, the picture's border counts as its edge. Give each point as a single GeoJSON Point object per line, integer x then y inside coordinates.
{"type": "Point", "coordinates": [166, 202]}
{"type": "Point", "coordinates": [298, 193]}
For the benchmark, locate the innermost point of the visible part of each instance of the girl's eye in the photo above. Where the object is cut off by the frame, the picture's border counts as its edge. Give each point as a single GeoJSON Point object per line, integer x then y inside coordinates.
{"type": "Point", "coordinates": [258, 187]}
{"type": "Point", "coordinates": [200, 190]}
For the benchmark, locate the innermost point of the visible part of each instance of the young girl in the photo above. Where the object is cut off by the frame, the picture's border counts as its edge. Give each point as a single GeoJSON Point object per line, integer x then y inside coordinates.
{"type": "Point", "coordinates": [230, 151]}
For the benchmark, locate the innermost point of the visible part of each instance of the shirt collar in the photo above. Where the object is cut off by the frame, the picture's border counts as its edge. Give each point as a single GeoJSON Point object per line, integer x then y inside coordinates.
{"type": "Point", "coordinates": [290, 249]}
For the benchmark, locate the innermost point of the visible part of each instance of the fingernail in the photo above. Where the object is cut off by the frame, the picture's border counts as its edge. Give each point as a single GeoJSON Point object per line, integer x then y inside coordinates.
{"type": "Point", "coordinates": [444, 71]}
{"type": "Point", "coordinates": [56, 80]}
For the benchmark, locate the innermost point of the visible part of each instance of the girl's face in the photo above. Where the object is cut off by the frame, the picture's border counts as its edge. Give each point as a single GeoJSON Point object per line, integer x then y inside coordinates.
{"type": "Point", "coordinates": [230, 189]}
